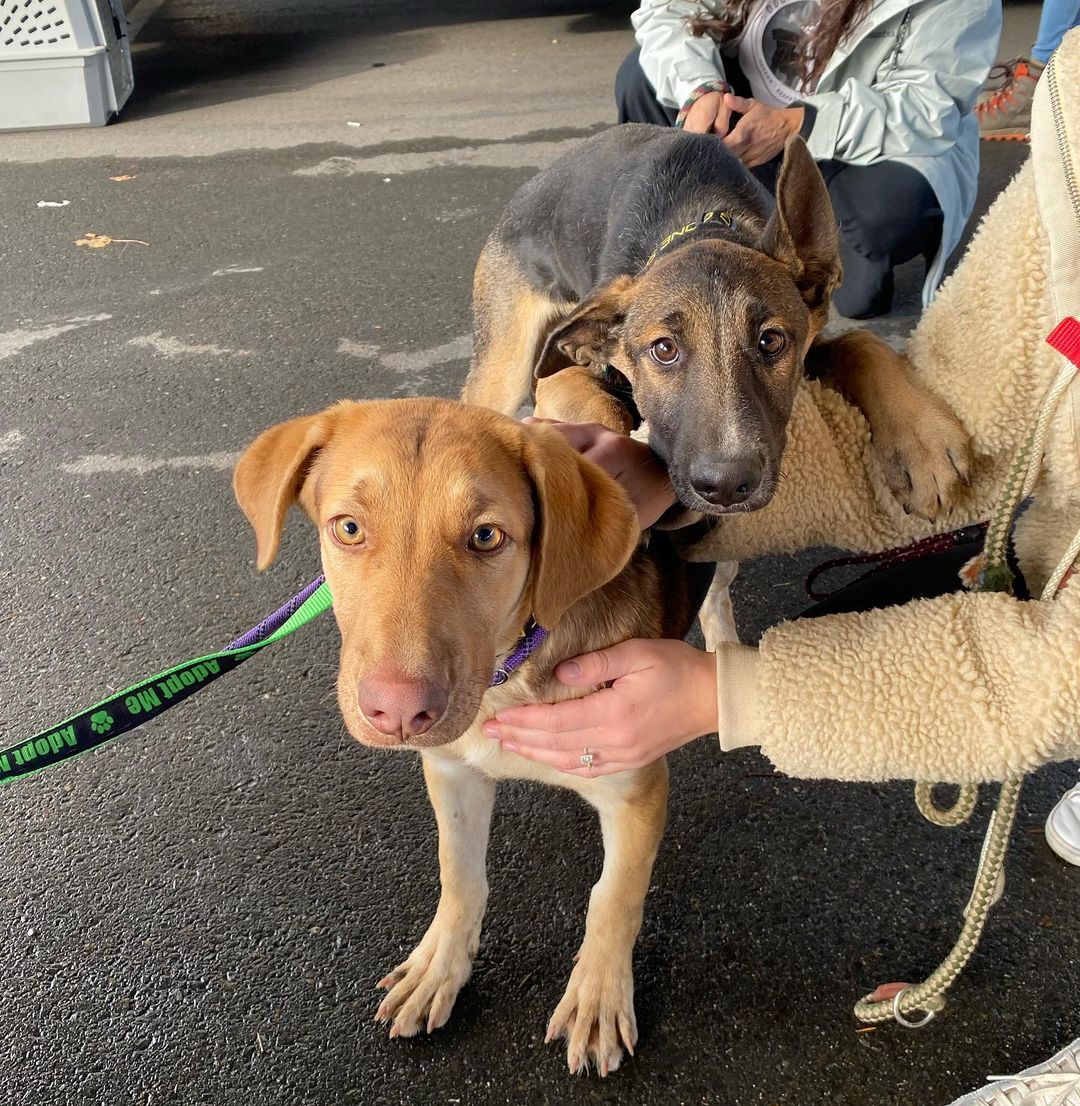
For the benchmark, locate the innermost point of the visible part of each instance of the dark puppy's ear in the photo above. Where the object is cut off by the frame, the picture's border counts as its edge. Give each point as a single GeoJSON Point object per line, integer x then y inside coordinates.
{"type": "Point", "coordinates": [587, 336]}
{"type": "Point", "coordinates": [269, 476]}
{"type": "Point", "coordinates": [586, 528]}
{"type": "Point", "coordinates": [802, 232]}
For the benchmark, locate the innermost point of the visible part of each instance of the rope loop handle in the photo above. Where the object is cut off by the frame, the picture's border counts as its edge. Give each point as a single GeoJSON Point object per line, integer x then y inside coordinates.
{"type": "Point", "coordinates": [955, 815]}
{"type": "Point", "coordinates": [928, 997]}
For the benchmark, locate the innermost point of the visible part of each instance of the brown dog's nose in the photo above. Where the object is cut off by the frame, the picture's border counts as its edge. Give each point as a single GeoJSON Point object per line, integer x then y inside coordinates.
{"type": "Point", "coordinates": [726, 483]}
{"type": "Point", "coordinates": [400, 707]}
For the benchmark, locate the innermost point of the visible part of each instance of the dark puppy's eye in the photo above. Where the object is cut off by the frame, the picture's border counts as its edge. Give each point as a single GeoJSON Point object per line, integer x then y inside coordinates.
{"type": "Point", "coordinates": [664, 351]}
{"type": "Point", "coordinates": [347, 530]}
{"type": "Point", "coordinates": [771, 342]}
{"type": "Point", "coordinates": [486, 539]}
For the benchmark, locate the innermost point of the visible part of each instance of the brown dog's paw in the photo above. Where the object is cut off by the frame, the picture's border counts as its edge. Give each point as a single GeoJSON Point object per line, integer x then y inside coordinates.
{"type": "Point", "coordinates": [925, 457]}
{"type": "Point", "coordinates": [423, 988]}
{"type": "Point", "coordinates": [596, 1016]}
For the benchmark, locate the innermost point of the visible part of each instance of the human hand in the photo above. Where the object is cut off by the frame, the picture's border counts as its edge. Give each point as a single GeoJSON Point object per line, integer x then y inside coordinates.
{"type": "Point", "coordinates": [642, 474]}
{"type": "Point", "coordinates": [662, 694]}
{"type": "Point", "coordinates": [708, 114]}
{"type": "Point", "coordinates": [762, 131]}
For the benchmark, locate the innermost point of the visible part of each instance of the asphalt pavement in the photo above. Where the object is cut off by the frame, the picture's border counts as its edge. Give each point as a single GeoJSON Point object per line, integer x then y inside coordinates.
{"type": "Point", "coordinates": [198, 914]}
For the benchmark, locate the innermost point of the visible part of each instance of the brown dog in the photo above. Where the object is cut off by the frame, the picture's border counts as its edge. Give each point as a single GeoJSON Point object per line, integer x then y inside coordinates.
{"type": "Point", "coordinates": [444, 529]}
{"type": "Point", "coordinates": [648, 264]}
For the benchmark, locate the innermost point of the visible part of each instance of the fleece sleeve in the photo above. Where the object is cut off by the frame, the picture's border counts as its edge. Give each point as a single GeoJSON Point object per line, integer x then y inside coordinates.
{"type": "Point", "coordinates": [964, 688]}
{"type": "Point", "coordinates": [917, 100]}
{"type": "Point", "coordinates": [674, 60]}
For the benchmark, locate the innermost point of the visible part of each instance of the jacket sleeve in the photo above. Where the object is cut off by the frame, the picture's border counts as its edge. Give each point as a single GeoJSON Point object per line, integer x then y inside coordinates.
{"type": "Point", "coordinates": [917, 101]}
{"type": "Point", "coordinates": [674, 60]}
{"type": "Point", "coordinates": [964, 688]}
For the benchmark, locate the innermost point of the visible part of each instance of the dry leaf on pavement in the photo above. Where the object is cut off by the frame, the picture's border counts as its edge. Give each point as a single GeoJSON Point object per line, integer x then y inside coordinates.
{"type": "Point", "coordinates": [100, 241]}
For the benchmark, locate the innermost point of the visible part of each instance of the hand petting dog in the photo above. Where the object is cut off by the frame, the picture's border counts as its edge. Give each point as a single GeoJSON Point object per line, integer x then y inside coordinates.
{"type": "Point", "coordinates": [637, 468]}
{"type": "Point", "coordinates": [762, 131]}
{"type": "Point", "coordinates": [709, 114]}
{"type": "Point", "coordinates": [659, 695]}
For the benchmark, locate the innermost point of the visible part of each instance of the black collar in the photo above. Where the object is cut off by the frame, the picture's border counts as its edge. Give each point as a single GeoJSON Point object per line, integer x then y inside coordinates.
{"type": "Point", "coordinates": [714, 218]}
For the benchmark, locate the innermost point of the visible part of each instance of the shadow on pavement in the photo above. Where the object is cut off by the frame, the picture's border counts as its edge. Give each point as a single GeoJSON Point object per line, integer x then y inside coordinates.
{"type": "Point", "coordinates": [219, 53]}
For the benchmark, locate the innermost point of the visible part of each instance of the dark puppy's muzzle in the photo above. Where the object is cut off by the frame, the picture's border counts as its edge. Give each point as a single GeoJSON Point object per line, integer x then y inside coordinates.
{"type": "Point", "coordinates": [724, 481]}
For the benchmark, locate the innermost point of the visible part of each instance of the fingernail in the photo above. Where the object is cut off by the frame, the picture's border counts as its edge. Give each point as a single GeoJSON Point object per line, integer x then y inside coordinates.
{"type": "Point", "coordinates": [510, 746]}
{"type": "Point", "coordinates": [571, 669]}
{"type": "Point", "coordinates": [491, 730]}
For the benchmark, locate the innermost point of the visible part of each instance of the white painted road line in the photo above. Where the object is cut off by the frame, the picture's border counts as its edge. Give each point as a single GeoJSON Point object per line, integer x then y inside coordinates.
{"type": "Point", "coordinates": [14, 341]}
{"type": "Point", "coordinates": [173, 347]}
{"type": "Point", "coordinates": [139, 465]}
{"type": "Point", "coordinates": [238, 269]}
{"type": "Point", "coordinates": [496, 155]}
{"type": "Point", "coordinates": [403, 361]}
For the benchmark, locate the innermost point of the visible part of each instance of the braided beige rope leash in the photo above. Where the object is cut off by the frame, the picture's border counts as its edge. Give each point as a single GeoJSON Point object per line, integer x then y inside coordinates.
{"type": "Point", "coordinates": [995, 575]}
{"type": "Point", "coordinates": [1058, 187]}
{"type": "Point", "coordinates": [928, 998]}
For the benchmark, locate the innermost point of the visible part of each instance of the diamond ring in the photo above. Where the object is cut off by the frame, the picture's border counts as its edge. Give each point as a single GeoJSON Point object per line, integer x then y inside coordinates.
{"type": "Point", "coordinates": [586, 758]}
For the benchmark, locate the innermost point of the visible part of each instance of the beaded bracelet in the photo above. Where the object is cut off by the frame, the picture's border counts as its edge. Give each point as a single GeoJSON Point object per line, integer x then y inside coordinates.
{"type": "Point", "coordinates": [701, 90]}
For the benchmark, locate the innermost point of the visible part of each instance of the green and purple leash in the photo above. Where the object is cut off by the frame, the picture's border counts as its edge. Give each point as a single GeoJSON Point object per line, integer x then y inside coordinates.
{"type": "Point", "coordinates": [144, 701]}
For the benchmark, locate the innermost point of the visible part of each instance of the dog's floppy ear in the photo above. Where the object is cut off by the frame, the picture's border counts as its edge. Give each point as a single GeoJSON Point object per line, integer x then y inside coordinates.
{"type": "Point", "coordinates": [268, 477]}
{"type": "Point", "coordinates": [586, 528]}
{"type": "Point", "coordinates": [802, 232]}
{"type": "Point", "coordinates": [587, 336]}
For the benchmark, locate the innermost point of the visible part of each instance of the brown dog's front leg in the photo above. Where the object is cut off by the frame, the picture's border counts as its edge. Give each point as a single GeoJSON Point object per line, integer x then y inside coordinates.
{"type": "Point", "coordinates": [596, 1014]}
{"type": "Point", "coordinates": [575, 395]}
{"type": "Point", "coordinates": [423, 988]}
{"type": "Point", "coordinates": [924, 450]}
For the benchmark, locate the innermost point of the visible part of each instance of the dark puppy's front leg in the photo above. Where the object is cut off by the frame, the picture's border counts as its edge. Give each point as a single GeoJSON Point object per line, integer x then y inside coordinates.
{"type": "Point", "coordinates": [596, 1014]}
{"type": "Point", "coordinates": [423, 988]}
{"type": "Point", "coordinates": [576, 395]}
{"type": "Point", "coordinates": [924, 450]}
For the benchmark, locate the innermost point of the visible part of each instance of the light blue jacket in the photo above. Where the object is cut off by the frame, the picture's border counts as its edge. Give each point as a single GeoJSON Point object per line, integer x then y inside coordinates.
{"type": "Point", "coordinates": [902, 88]}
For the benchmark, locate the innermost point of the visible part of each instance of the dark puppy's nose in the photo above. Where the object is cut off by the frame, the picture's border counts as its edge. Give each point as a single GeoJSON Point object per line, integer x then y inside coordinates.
{"type": "Point", "coordinates": [400, 707]}
{"type": "Point", "coordinates": [726, 483]}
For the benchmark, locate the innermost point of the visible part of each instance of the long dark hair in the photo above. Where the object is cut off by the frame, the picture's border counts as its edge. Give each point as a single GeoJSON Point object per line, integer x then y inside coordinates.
{"type": "Point", "coordinates": [725, 20]}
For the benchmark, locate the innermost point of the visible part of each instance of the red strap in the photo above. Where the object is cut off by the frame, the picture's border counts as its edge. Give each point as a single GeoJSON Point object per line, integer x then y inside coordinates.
{"type": "Point", "coordinates": [1065, 338]}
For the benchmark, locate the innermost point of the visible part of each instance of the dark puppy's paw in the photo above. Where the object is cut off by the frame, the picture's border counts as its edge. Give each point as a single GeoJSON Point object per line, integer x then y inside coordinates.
{"type": "Point", "coordinates": [925, 456]}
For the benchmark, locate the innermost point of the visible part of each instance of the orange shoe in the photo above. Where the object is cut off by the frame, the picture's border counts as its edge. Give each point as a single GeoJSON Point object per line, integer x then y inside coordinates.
{"type": "Point", "coordinates": [1004, 111]}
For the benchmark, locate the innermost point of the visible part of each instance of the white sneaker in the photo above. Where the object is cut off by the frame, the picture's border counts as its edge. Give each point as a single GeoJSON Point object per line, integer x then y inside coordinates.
{"type": "Point", "coordinates": [1063, 827]}
{"type": "Point", "coordinates": [1053, 1083]}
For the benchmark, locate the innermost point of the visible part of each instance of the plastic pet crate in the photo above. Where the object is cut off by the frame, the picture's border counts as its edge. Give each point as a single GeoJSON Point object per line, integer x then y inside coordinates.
{"type": "Point", "coordinates": [63, 63]}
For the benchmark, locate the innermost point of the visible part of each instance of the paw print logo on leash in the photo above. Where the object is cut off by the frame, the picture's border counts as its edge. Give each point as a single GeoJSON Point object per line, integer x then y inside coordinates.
{"type": "Point", "coordinates": [101, 722]}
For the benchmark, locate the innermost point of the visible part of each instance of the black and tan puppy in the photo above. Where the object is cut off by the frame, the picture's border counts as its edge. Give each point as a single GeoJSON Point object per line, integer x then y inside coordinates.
{"type": "Point", "coordinates": [650, 261]}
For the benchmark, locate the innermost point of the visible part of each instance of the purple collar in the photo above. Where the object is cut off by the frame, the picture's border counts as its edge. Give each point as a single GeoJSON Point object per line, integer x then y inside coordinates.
{"type": "Point", "coordinates": [531, 639]}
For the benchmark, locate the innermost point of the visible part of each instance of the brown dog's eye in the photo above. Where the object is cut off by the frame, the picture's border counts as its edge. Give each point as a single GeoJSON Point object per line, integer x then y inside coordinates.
{"type": "Point", "coordinates": [771, 342]}
{"type": "Point", "coordinates": [347, 531]}
{"type": "Point", "coordinates": [664, 351]}
{"type": "Point", "coordinates": [486, 539]}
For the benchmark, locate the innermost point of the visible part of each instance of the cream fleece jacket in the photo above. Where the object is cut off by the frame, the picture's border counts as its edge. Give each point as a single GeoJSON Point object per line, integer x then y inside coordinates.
{"type": "Point", "coordinates": [967, 687]}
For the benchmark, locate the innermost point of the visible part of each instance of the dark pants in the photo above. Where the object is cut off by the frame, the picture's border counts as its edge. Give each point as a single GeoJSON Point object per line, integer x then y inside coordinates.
{"type": "Point", "coordinates": [887, 212]}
